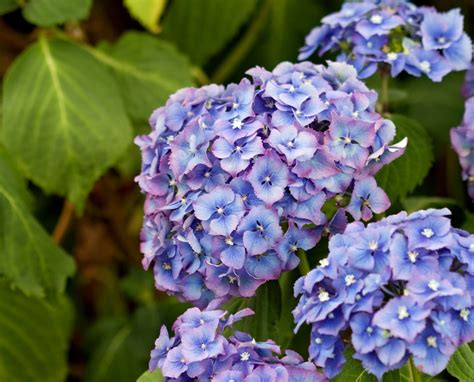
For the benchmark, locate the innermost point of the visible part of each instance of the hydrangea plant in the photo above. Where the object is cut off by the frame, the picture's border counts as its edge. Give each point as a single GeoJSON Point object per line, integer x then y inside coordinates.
{"type": "Point", "coordinates": [396, 34]}
{"type": "Point", "coordinates": [200, 351]}
{"type": "Point", "coordinates": [236, 177]}
{"type": "Point", "coordinates": [399, 287]}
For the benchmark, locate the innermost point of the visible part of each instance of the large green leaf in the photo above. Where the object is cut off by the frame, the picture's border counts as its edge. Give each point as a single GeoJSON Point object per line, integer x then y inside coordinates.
{"type": "Point", "coordinates": [63, 118]}
{"type": "Point", "coordinates": [33, 337]}
{"type": "Point", "coordinates": [29, 259]}
{"type": "Point", "coordinates": [400, 177]}
{"type": "Point", "coordinates": [121, 348]}
{"type": "Point", "coordinates": [461, 364]}
{"type": "Point", "coordinates": [147, 12]}
{"type": "Point", "coordinates": [8, 6]}
{"type": "Point", "coordinates": [202, 28]}
{"type": "Point", "coordinates": [147, 70]}
{"type": "Point", "coordinates": [151, 376]}
{"type": "Point", "coordinates": [50, 12]}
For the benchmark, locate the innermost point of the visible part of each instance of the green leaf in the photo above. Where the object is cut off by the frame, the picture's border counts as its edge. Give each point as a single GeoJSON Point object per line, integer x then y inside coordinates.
{"type": "Point", "coordinates": [33, 337]}
{"type": "Point", "coordinates": [461, 364]}
{"type": "Point", "coordinates": [353, 370]}
{"type": "Point", "coordinates": [151, 376]}
{"type": "Point", "coordinates": [415, 203]}
{"type": "Point", "coordinates": [121, 352]}
{"type": "Point", "coordinates": [63, 118]}
{"type": "Point", "coordinates": [400, 177]}
{"type": "Point", "coordinates": [146, 12]}
{"type": "Point", "coordinates": [202, 28]}
{"type": "Point", "coordinates": [7, 6]}
{"type": "Point", "coordinates": [147, 70]}
{"type": "Point", "coordinates": [267, 307]}
{"type": "Point", "coordinates": [51, 12]}
{"type": "Point", "coordinates": [29, 259]}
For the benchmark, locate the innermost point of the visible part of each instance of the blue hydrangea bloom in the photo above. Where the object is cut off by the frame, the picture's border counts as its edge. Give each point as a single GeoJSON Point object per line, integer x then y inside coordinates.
{"type": "Point", "coordinates": [236, 177]}
{"type": "Point", "coordinates": [199, 351]}
{"type": "Point", "coordinates": [401, 287]}
{"type": "Point", "coordinates": [395, 34]}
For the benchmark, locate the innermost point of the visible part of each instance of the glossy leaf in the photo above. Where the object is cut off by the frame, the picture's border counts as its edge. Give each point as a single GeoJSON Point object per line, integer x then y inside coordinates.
{"type": "Point", "coordinates": [29, 259]}
{"type": "Point", "coordinates": [151, 376]}
{"type": "Point", "coordinates": [147, 70]}
{"type": "Point", "coordinates": [65, 124]}
{"type": "Point", "coordinates": [146, 12]}
{"type": "Point", "coordinates": [34, 337]}
{"type": "Point", "coordinates": [400, 177]}
{"type": "Point", "coordinates": [50, 12]}
{"type": "Point", "coordinates": [202, 28]}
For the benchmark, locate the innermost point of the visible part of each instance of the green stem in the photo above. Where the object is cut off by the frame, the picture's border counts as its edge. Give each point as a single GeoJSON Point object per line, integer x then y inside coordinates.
{"type": "Point", "coordinates": [304, 265]}
{"type": "Point", "coordinates": [414, 373]}
{"type": "Point", "coordinates": [231, 62]}
{"type": "Point", "coordinates": [200, 75]}
{"type": "Point", "coordinates": [384, 91]}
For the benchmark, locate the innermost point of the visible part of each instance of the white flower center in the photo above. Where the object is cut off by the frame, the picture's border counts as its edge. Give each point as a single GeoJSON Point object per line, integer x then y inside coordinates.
{"type": "Point", "coordinates": [373, 245]}
{"type": "Point", "coordinates": [290, 144]}
{"type": "Point", "coordinates": [471, 247]}
{"type": "Point", "coordinates": [376, 19]}
{"type": "Point", "coordinates": [220, 210]}
{"type": "Point", "coordinates": [237, 123]}
{"type": "Point", "coordinates": [229, 241]}
{"type": "Point", "coordinates": [464, 314]}
{"type": "Point", "coordinates": [392, 56]}
{"type": "Point", "coordinates": [203, 346]}
{"type": "Point", "coordinates": [412, 255]}
{"type": "Point", "coordinates": [369, 329]}
{"type": "Point", "coordinates": [267, 179]}
{"type": "Point", "coordinates": [245, 356]}
{"type": "Point", "coordinates": [201, 321]}
{"type": "Point", "coordinates": [355, 114]}
{"type": "Point", "coordinates": [232, 279]}
{"type": "Point", "coordinates": [207, 174]}
{"type": "Point", "coordinates": [182, 360]}
{"type": "Point", "coordinates": [318, 340]}
{"type": "Point", "coordinates": [172, 182]}
{"type": "Point", "coordinates": [291, 89]}
{"type": "Point", "coordinates": [323, 263]}
{"type": "Point", "coordinates": [349, 279]}
{"type": "Point", "coordinates": [235, 105]}
{"type": "Point", "coordinates": [166, 266]}
{"type": "Point", "coordinates": [433, 285]}
{"type": "Point", "coordinates": [425, 66]}
{"type": "Point", "coordinates": [293, 248]}
{"type": "Point", "coordinates": [403, 312]}
{"type": "Point", "coordinates": [323, 295]}
{"type": "Point", "coordinates": [441, 40]}
{"type": "Point", "coordinates": [431, 341]}
{"type": "Point", "coordinates": [427, 232]}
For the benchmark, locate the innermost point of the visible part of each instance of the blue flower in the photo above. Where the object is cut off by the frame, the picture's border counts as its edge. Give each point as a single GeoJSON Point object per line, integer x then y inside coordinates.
{"type": "Point", "coordinates": [367, 198]}
{"type": "Point", "coordinates": [260, 229]}
{"type": "Point", "coordinates": [221, 209]}
{"type": "Point", "coordinates": [440, 30]}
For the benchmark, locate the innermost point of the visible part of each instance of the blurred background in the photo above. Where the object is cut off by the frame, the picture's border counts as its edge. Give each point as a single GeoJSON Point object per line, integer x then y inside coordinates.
{"type": "Point", "coordinates": [151, 48]}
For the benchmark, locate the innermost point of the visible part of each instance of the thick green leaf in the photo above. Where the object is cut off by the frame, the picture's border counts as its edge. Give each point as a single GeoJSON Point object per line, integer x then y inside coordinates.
{"type": "Point", "coordinates": [461, 364]}
{"type": "Point", "coordinates": [415, 203]}
{"type": "Point", "coordinates": [147, 12]}
{"type": "Point", "coordinates": [202, 28]}
{"type": "Point", "coordinates": [63, 118]}
{"type": "Point", "coordinates": [353, 370]}
{"type": "Point", "coordinates": [33, 337]}
{"type": "Point", "coordinates": [400, 177]}
{"type": "Point", "coordinates": [51, 12]}
{"type": "Point", "coordinates": [147, 70]}
{"type": "Point", "coordinates": [8, 6]}
{"type": "Point", "coordinates": [121, 349]}
{"type": "Point", "coordinates": [154, 376]}
{"type": "Point", "coordinates": [29, 259]}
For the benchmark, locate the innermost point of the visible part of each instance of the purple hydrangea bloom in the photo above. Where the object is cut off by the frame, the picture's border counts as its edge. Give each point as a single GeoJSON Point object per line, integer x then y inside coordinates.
{"type": "Point", "coordinates": [200, 351]}
{"type": "Point", "coordinates": [462, 139]}
{"type": "Point", "coordinates": [395, 34]}
{"type": "Point", "coordinates": [236, 177]}
{"type": "Point", "coordinates": [399, 287]}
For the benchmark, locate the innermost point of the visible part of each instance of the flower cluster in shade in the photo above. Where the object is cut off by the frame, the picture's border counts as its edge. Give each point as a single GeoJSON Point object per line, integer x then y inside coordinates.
{"type": "Point", "coordinates": [199, 351]}
{"type": "Point", "coordinates": [236, 177]}
{"type": "Point", "coordinates": [400, 287]}
{"type": "Point", "coordinates": [396, 34]}
{"type": "Point", "coordinates": [462, 137]}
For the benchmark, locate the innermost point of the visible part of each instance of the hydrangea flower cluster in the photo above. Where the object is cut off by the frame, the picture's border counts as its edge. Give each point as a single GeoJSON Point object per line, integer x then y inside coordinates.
{"type": "Point", "coordinates": [199, 352]}
{"type": "Point", "coordinates": [400, 287]}
{"type": "Point", "coordinates": [396, 34]}
{"type": "Point", "coordinates": [236, 177]}
{"type": "Point", "coordinates": [462, 137]}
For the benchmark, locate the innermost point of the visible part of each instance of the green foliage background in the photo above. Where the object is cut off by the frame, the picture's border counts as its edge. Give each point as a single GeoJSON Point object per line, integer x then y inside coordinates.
{"type": "Point", "coordinates": [79, 80]}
